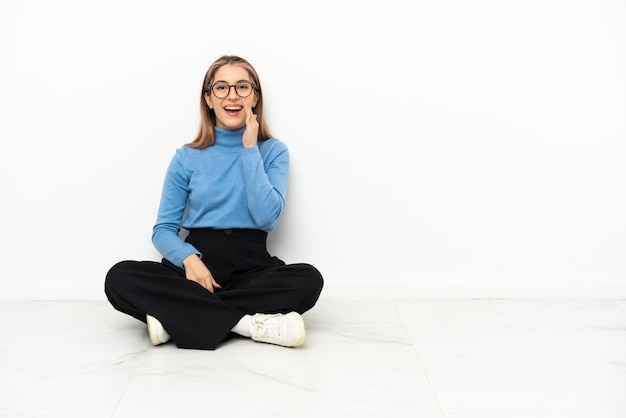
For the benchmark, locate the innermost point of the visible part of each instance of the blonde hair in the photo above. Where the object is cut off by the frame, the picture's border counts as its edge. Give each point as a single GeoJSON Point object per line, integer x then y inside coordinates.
{"type": "Point", "coordinates": [206, 133]}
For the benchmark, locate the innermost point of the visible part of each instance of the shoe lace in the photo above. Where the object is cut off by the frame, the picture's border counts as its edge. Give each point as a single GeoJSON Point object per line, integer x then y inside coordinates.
{"type": "Point", "coordinates": [267, 327]}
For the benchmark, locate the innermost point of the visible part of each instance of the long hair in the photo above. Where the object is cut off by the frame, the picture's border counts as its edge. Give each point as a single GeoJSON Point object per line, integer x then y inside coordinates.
{"type": "Point", "coordinates": [206, 133]}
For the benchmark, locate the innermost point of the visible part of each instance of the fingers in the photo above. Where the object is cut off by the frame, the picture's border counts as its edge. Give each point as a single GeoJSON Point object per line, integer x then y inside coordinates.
{"type": "Point", "coordinates": [247, 109]}
{"type": "Point", "coordinates": [252, 125]}
{"type": "Point", "coordinates": [210, 284]}
{"type": "Point", "coordinates": [247, 104]}
{"type": "Point", "coordinates": [204, 282]}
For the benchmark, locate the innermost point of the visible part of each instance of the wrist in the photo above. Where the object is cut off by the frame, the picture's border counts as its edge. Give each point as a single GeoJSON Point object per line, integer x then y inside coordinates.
{"type": "Point", "coordinates": [190, 259]}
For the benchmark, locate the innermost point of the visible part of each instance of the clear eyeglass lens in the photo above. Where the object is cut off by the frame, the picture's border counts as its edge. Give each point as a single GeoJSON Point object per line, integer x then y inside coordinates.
{"type": "Point", "coordinates": [222, 90]}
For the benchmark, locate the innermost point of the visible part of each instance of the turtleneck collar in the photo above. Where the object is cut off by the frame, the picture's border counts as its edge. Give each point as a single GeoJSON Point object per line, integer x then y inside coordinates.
{"type": "Point", "coordinates": [228, 138]}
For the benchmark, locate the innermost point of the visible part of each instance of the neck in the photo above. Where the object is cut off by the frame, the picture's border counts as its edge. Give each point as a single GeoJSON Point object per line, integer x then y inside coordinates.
{"type": "Point", "coordinates": [229, 138]}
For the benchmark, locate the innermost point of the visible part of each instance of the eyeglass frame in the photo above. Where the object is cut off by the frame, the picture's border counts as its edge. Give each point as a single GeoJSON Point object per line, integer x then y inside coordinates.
{"type": "Point", "coordinates": [254, 88]}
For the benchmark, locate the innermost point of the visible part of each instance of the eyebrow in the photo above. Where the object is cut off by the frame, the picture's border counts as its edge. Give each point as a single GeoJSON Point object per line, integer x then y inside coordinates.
{"type": "Point", "coordinates": [238, 81]}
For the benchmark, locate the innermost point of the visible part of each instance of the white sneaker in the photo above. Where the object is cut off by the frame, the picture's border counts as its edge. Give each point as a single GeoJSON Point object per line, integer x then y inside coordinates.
{"type": "Point", "coordinates": [157, 333]}
{"type": "Point", "coordinates": [280, 329]}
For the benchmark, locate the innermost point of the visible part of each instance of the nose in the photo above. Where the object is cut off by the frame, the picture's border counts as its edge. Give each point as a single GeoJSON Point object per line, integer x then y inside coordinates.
{"type": "Point", "coordinates": [232, 92]}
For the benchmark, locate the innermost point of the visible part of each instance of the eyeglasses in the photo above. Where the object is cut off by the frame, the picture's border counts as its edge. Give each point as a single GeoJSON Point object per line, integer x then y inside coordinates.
{"type": "Point", "coordinates": [222, 89]}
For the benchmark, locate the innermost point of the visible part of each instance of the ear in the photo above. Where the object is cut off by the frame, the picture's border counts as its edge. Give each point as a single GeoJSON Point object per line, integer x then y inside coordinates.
{"type": "Point", "coordinates": [207, 99]}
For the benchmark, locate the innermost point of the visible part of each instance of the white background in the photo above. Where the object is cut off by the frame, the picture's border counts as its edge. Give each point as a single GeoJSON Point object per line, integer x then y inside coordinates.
{"type": "Point", "coordinates": [439, 148]}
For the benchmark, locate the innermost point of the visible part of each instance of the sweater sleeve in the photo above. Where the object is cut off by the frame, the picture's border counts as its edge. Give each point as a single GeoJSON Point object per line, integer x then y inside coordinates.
{"type": "Point", "coordinates": [266, 181]}
{"type": "Point", "coordinates": [170, 216]}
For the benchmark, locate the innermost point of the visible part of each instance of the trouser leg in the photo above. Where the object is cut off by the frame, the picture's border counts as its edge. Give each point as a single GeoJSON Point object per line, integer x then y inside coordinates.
{"type": "Point", "coordinates": [193, 316]}
{"type": "Point", "coordinates": [279, 289]}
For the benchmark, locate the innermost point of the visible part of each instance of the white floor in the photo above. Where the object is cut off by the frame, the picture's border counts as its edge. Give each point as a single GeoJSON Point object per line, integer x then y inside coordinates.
{"type": "Point", "coordinates": [362, 358]}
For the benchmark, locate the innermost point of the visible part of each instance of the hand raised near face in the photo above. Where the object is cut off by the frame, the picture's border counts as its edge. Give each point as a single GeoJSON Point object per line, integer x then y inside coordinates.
{"type": "Point", "coordinates": [251, 133]}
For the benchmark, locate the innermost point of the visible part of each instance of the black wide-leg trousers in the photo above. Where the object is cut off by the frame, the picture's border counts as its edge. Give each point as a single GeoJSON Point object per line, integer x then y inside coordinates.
{"type": "Point", "coordinates": [252, 282]}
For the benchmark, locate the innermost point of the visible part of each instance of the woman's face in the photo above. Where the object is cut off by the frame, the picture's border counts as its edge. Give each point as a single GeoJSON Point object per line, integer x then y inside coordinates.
{"type": "Point", "coordinates": [229, 110]}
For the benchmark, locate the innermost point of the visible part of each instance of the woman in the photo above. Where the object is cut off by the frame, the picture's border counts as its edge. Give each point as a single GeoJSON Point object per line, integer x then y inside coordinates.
{"type": "Point", "coordinates": [227, 189]}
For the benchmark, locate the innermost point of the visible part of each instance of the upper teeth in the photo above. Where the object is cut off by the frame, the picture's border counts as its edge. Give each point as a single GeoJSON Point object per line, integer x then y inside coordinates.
{"type": "Point", "coordinates": [232, 108]}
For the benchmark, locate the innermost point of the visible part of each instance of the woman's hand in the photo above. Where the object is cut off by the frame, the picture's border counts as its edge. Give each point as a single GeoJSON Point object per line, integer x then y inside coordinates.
{"type": "Point", "coordinates": [251, 134]}
{"type": "Point", "coordinates": [196, 271]}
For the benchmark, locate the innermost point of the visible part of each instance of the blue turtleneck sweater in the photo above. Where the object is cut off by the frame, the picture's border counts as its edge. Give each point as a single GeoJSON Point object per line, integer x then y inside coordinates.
{"type": "Point", "coordinates": [223, 186]}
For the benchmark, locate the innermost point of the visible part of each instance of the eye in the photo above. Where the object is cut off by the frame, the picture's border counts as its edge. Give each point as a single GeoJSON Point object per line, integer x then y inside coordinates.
{"type": "Point", "coordinates": [220, 87]}
{"type": "Point", "coordinates": [243, 87]}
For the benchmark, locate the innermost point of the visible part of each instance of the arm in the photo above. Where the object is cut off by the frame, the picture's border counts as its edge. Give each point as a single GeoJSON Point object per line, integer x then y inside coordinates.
{"type": "Point", "coordinates": [265, 181]}
{"type": "Point", "coordinates": [165, 232]}
{"type": "Point", "coordinates": [170, 216]}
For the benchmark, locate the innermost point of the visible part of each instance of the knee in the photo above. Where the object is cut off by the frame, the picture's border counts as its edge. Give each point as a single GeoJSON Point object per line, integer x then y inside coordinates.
{"type": "Point", "coordinates": [316, 276]}
{"type": "Point", "coordinates": [116, 276]}
{"type": "Point", "coordinates": [313, 279]}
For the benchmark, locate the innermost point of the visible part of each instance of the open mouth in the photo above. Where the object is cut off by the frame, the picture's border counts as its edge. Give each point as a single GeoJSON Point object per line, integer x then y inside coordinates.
{"type": "Point", "coordinates": [233, 110]}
